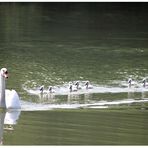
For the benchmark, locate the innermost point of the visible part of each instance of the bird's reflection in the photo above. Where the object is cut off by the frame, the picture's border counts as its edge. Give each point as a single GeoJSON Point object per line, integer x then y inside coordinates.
{"type": "Point", "coordinates": [77, 98]}
{"type": "Point", "coordinates": [46, 97]}
{"type": "Point", "coordinates": [87, 97]}
{"type": "Point", "coordinates": [2, 117]}
{"type": "Point", "coordinates": [7, 121]}
{"type": "Point", "coordinates": [71, 98]}
{"type": "Point", "coordinates": [144, 94]}
{"type": "Point", "coordinates": [130, 95]}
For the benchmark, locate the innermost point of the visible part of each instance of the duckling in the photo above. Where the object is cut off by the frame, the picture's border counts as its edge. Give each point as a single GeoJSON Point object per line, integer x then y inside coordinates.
{"type": "Point", "coordinates": [144, 82]}
{"type": "Point", "coordinates": [72, 87]}
{"type": "Point", "coordinates": [77, 85]}
{"type": "Point", "coordinates": [131, 83]}
{"type": "Point", "coordinates": [41, 88]}
{"type": "Point", "coordinates": [50, 88]}
{"type": "Point", "coordinates": [88, 85]}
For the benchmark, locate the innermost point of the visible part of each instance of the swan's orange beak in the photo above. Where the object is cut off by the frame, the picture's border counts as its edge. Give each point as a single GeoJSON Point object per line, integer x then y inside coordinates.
{"type": "Point", "coordinates": [6, 74]}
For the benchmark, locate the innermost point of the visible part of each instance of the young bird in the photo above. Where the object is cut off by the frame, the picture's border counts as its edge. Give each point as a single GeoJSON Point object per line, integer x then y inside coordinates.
{"type": "Point", "coordinates": [88, 86]}
{"type": "Point", "coordinates": [144, 82]}
{"type": "Point", "coordinates": [41, 88]}
{"type": "Point", "coordinates": [72, 87]}
{"type": "Point", "coordinates": [77, 85]}
{"type": "Point", "coordinates": [50, 88]}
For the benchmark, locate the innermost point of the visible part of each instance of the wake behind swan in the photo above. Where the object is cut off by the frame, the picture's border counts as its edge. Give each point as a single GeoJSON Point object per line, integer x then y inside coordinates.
{"type": "Point", "coordinates": [82, 87]}
{"type": "Point", "coordinates": [29, 106]}
{"type": "Point", "coordinates": [73, 100]}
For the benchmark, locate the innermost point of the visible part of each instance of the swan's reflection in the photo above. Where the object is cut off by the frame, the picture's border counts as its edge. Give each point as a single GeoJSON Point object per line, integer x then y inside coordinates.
{"type": "Point", "coordinates": [2, 117]}
{"type": "Point", "coordinates": [71, 98]}
{"type": "Point", "coordinates": [7, 121]}
{"type": "Point", "coordinates": [46, 97]}
{"type": "Point", "coordinates": [77, 98]}
{"type": "Point", "coordinates": [130, 95]}
{"type": "Point", "coordinates": [87, 97]}
{"type": "Point", "coordinates": [144, 94]}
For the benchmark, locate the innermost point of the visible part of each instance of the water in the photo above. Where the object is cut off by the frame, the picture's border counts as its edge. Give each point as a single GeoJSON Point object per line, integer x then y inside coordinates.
{"type": "Point", "coordinates": [52, 44]}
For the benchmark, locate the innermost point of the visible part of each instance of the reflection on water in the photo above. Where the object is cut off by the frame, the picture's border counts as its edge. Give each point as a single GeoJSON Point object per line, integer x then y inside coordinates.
{"type": "Point", "coordinates": [2, 116]}
{"type": "Point", "coordinates": [87, 97]}
{"type": "Point", "coordinates": [130, 95]}
{"type": "Point", "coordinates": [48, 96]}
{"type": "Point", "coordinates": [46, 101]}
{"type": "Point", "coordinates": [110, 95]}
{"type": "Point", "coordinates": [143, 95]}
{"type": "Point", "coordinates": [52, 44]}
{"type": "Point", "coordinates": [73, 98]}
{"type": "Point", "coordinates": [7, 121]}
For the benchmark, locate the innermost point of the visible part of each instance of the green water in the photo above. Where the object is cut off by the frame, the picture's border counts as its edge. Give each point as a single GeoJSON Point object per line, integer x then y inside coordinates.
{"type": "Point", "coordinates": [55, 43]}
{"type": "Point", "coordinates": [80, 127]}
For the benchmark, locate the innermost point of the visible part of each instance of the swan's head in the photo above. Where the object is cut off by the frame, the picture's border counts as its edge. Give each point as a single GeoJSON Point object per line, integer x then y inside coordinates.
{"type": "Point", "coordinates": [41, 88]}
{"type": "Point", "coordinates": [87, 83]}
{"type": "Point", "coordinates": [4, 72]}
{"type": "Point", "coordinates": [70, 86]}
{"type": "Point", "coordinates": [77, 83]}
{"type": "Point", "coordinates": [129, 80]}
{"type": "Point", "coordinates": [50, 88]}
{"type": "Point", "coordinates": [144, 80]}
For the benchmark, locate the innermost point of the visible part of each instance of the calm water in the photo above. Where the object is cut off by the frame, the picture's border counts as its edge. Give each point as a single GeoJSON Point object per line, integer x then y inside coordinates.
{"type": "Point", "coordinates": [52, 44]}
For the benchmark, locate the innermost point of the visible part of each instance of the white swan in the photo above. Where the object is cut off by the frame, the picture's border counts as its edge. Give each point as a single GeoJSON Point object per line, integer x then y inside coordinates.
{"type": "Point", "coordinates": [9, 99]}
{"type": "Point", "coordinates": [72, 87]}
{"type": "Point", "coordinates": [88, 85]}
{"type": "Point", "coordinates": [78, 85]}
{"type": "Point", "coordinates": [131, 82]}
{"type": "Point", "coordinates": [41, 88]}
{"type": "Point", "coordinates": [145, 84]}
{"type": "Point", "coordinates": [50, 88]}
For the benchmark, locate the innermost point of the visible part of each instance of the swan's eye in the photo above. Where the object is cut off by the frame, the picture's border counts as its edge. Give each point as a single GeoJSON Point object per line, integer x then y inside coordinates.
{"type": "Point", "coordinates": [6, 72]}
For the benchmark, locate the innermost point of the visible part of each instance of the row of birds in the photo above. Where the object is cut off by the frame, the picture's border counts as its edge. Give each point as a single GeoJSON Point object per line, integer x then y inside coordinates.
{"type": "Point", "coordinates": [87, 85]}
{"type": "Point", "coordinates": [72, 87]}
{"type": "Point", "coordinates": [133, 83]}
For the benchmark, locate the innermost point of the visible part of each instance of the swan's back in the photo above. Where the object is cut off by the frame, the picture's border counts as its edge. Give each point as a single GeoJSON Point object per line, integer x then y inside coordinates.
{"type": "Point", "coordinates": [12, 99]}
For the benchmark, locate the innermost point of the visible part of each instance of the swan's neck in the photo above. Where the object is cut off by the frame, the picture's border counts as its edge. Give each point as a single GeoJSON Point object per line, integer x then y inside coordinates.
{"type": "Point", "coordinates": [144, 84]}
{"type": "Point", "coordinates": [2, 92]}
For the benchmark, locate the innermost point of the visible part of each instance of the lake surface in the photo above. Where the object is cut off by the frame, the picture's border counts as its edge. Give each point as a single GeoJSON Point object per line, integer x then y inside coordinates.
{"type": "Point", "coordinates": [52, 44]}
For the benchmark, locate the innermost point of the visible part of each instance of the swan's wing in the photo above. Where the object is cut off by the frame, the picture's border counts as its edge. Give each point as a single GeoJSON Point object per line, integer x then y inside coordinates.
{"type": "Point", "coordinates": [12, 99]}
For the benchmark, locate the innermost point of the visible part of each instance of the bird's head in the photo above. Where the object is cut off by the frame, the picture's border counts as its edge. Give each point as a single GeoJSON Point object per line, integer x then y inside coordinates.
{"type": "Point", "coordinates": [4, 72]}
{"type": "Point", "coordinates": [144, 80]}
{"type": "Point", "coordinates": [129, 80]}
{"type": "Point", "coordinates": [87, 82]}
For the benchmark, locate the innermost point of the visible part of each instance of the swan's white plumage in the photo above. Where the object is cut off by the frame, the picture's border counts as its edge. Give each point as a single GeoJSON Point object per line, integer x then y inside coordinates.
{"type": "Point", "coordinates": [9, 99]}
{"type": "Point", "coordinates": [11, 117]}
{"type": "Point", "coordinates": [12, 99]}
{"type": "Point", "coordinates": [72, 87]}
{"type": "Point", "coordinates": [88, 85]}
